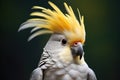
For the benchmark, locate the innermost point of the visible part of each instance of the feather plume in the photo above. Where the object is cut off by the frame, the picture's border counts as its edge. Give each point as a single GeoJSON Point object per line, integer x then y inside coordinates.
{"type": "Point", "coordinates": [54, 21]}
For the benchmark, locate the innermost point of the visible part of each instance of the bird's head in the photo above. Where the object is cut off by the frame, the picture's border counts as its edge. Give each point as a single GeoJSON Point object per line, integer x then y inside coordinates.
{"type": "Point", "coordinates": [68, 33]}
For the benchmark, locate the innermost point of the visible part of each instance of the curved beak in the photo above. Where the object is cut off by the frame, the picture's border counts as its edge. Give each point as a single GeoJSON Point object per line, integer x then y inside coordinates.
{"type": "Point", "coordinates": [77, 49]}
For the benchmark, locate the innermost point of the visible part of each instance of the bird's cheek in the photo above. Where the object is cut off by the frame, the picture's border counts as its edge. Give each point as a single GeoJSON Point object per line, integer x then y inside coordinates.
{"type": "Point", "coordinates": [65, 55]}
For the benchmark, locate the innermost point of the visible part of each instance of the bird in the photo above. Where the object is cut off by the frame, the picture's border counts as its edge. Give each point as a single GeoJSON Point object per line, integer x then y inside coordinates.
{"type": "Point", "coordinates": [63, 55]}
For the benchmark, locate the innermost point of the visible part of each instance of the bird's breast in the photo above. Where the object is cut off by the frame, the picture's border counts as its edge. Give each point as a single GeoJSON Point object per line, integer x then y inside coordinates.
{"type": "Point", "coordinates": [70, 72]}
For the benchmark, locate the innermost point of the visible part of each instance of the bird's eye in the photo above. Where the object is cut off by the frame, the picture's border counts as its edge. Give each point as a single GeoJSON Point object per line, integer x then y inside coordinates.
{"type": "Point", "coordinates": [64, 41]}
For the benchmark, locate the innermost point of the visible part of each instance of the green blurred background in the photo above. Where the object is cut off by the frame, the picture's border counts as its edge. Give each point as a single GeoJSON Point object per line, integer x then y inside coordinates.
{"type": "Point", "coordinates": [102, 21]}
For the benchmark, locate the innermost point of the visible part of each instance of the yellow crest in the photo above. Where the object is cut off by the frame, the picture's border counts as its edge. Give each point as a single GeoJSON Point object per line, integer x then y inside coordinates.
{"type": "Point", "coordinates": [54, 21]}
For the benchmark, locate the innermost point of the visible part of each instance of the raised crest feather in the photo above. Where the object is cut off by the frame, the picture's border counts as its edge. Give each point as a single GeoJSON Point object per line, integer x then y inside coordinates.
{"type": "Point", "coordinates": [54, 21]}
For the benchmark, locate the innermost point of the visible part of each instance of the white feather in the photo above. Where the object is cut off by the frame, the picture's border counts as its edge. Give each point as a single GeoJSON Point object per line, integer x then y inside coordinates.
{"type": "Point", "coordinates": [34, 29]}
{"type": "Point", "coordinates": [39, 33]}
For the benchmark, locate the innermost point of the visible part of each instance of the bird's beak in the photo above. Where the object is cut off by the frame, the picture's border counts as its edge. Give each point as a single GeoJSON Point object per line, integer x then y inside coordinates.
{"type": "Point", "coordinates": [77, 49]}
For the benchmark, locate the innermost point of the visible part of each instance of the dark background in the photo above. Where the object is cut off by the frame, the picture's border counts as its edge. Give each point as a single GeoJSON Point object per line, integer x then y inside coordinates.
{"type": "Point", "coordinates": [102, 21]}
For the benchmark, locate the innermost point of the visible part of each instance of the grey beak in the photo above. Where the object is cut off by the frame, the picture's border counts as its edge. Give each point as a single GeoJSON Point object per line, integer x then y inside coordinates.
{"type": "Point", "coordinates": [77, 50]}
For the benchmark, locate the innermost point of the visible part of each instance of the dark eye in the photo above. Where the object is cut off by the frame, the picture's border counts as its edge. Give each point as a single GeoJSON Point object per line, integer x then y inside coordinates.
{"type": "Point", "coordinates": [64, 41]}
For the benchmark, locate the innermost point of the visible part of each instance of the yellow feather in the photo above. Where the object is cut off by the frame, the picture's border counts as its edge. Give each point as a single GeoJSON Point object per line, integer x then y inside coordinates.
{"type": "Point", "coordinates": [37, 7]}
{"type": "Point", "coordinates": [57, 22]}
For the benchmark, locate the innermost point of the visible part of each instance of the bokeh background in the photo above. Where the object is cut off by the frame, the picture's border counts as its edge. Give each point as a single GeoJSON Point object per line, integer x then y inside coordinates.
{"type": "Point", "coordinates": [102, 21]}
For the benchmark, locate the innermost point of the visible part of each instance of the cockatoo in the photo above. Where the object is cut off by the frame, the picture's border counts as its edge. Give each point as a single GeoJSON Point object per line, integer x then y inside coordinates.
{"type": "Point", "coordinates": [63, 55]}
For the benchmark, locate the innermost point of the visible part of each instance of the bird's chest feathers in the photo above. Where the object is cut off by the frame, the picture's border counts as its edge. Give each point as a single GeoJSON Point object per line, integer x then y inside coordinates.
{"type": "Point", "coordinates": [71, 72]}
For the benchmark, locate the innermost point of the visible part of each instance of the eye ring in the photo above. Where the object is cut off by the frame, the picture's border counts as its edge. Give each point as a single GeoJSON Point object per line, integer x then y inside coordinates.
{"type": "Point", "coordinates": [64, 41]}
